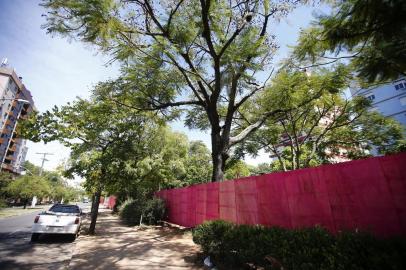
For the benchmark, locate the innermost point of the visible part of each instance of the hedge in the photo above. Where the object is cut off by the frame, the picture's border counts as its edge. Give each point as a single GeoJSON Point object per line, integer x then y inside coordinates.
{"type": "Point", "coordinates": [308, 248]}
{"type": "Point", "coordinates": [152, 211]}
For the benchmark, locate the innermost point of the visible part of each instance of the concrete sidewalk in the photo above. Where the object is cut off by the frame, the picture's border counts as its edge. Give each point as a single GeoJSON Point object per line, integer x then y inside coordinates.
{"type": "Point", "coordinates": [116, 246]}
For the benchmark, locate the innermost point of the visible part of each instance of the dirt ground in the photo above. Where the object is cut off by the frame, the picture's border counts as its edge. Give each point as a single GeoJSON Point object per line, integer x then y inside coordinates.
{"type": "Point", "coordinates": [116, 246]}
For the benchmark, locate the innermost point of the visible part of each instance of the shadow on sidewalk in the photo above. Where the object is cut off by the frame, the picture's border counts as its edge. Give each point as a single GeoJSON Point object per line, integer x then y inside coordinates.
{"type": "Point", "coordinates": [116, 246]}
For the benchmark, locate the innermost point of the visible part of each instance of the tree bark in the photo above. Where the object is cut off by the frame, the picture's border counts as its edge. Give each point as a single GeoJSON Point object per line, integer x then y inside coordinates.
{"type": "Point", "coordinates": [219, 157]}
{"type": "Point", "coordinates": [25, 203]}
{"type": "Point", "coordinates": [94, 211]}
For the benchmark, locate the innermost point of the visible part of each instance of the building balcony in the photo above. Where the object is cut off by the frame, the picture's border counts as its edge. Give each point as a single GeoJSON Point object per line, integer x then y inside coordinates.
{"type": "Point", "coordinates": [23, 116]}
{"type": "Point", "coordinates": [10, 158]}
{"type": "Point", "coordinates": [7, 167]}
{"type": "Point", "coordinates": [5, 131]}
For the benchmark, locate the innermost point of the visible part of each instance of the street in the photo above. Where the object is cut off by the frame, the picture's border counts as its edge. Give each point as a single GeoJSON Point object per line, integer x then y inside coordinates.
{"type": "Point", "coordinates": [17, 252]}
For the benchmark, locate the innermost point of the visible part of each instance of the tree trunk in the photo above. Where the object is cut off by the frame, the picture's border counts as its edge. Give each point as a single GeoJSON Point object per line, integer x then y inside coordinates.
{"type": "Point", "coordinates": [218, 171]}
{"type": "Point", "coordinates": [94, 211]}
{"type": "Point", "coordinates": [219, 157]}
{"type": "Point", "coordinates": [25, 203]}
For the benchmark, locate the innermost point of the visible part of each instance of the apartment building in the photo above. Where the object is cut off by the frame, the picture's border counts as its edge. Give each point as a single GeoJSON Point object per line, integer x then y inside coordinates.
{"type": "Point", "coordinates": [389, 99]}
{"type": "Point", "coordinates": [16, 104]}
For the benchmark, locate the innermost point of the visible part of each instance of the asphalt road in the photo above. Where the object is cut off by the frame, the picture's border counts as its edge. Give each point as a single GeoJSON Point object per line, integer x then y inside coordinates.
{"type": "Point", "coordinates": [17, 252]}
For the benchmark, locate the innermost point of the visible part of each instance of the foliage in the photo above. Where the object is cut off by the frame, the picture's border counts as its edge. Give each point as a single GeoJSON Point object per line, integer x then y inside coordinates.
{"type": "Point", "coordinates": [131, 211]}
{"type": "Point", "coordinates": [32, 169]}
{"type": "Point", "coordinates": [201, 56]}
{"type": "Point", "coordinates": [372, 33]}
{"type": "Point", "coordinates": [211, 236]}
{"type": "Point", "coordinates": [198, 164]}
{"type": "Point", "coordinates": [237, 169]}
{"type": "Point", "coordinates": [5, 179]}
{"type": "Point", "coordinates": [154, 211]}
{"type": "Point", "coordinates": [60, 190]}
{"type": "Point", "coordinates": [2, 203]}
{"type": "Point", "coordinates": [118, 149]}
{"type": "Point", "coordinates": [325, 127]}
{"type": "Point", "coordinates": [307, 248]}
{"type": "Point", "coordinates": [27, 186]}
{"type": "Point", "coordinates": [261, 168]}
{"type": "Point", "coordinates": [151, 210]}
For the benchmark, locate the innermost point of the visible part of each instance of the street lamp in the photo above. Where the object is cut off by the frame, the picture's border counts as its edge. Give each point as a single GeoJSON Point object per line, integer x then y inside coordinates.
{"type": "Point", "coordinates": [24, 101]}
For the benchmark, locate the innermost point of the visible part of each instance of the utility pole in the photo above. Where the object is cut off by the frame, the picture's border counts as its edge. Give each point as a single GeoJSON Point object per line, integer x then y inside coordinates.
{"type": "Point", "coordinates": [43, 161]}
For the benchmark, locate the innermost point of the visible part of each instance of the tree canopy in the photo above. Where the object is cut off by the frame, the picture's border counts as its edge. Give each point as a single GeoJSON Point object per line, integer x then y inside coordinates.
{"type": "Point", "coordinates": [329, 126]}
{"type": "Point", "coordinates": [200, 58]}
{"type": "Point", "coordinates": [370, 33]}
{"type": "Point", "coordinates": [27, 186]}
{"type": "Point", "coordinates": [120, 150]}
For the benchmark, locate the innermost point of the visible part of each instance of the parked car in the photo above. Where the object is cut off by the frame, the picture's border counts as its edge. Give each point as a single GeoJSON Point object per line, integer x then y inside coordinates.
{"type": "Point", "coordinates": [59, 219]}
{"type": "Point", "coordinates": [85, 201]}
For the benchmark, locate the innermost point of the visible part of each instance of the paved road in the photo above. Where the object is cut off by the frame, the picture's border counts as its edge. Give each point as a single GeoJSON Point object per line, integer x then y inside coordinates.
{"type": "Point", "coordinates": [17, 252]}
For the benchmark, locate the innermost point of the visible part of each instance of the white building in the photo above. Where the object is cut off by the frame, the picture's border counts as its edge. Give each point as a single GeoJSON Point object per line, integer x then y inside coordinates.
{"type": "Point", "coordinates": [388, 99]}
{"type": "Point", "coordinates": [15, 104]}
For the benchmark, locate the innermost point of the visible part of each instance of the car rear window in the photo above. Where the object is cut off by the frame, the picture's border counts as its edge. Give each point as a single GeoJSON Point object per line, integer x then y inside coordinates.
{"type": "Point", "coordinates": [63, 208]}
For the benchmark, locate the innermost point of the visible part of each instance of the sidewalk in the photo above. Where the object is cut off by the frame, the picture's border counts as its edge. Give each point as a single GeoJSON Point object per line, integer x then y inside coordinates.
{"type": "Point", "coordinates": [116, 246]}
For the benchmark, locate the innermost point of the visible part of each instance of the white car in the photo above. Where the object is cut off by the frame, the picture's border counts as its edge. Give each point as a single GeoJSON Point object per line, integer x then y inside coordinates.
{"type": "Point", "coordinates": [59, 219]}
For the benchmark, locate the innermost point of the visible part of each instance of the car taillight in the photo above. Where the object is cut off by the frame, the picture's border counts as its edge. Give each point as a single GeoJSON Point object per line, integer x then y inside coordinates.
{"type": "Point", "coordinates": [36, 219]}
{"type": "Point", "coordinates": [77, 220]}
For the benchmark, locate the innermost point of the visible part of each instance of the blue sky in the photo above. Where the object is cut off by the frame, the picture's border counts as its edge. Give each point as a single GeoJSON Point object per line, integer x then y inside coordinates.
{"type": "Point", "coordinates": [56, 70]}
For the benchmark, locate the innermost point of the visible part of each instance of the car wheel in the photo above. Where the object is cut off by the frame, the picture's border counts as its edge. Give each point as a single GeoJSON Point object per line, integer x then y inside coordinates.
{"type": "Point", "coordinates": [73, 237]}
{"type": "Point", "coordinates": [34, 237]}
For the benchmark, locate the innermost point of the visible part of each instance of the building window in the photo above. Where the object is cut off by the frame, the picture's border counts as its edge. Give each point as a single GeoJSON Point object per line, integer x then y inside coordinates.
{"type": "Point", "coordinates": [402, 101]}
{"type": "Point", "coordinates": [400, 86]}
{"type": "Point", "coordinates": [371, 97]}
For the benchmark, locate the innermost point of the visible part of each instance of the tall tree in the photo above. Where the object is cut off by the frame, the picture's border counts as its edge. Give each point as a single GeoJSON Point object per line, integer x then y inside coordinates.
{"type": "Point", "coordinates": [326, 127]}
{"type": "Point", "coordinates": [237, 169]}
{"type": "Point", "coordinates": [114, 148]}
{"type": "Point", "coordinates": [27, 186]}
{"type": "Point", "coordinates": [96, 132]}
{"type": "Point", "coordinates": [371, 33]}
{"type": "Point", "coordinates": [198, 164]}
{"type": "Point", "coordinates": [201, 55]}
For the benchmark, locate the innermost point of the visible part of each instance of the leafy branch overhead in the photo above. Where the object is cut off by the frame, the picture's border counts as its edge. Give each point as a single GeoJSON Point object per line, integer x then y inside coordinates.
{"type": "Point", "coordinates": [326, 128]}
{"type": "Point", "coordinates": [369, 33]}
{"type": "Point", "coordinates": [202, 55]}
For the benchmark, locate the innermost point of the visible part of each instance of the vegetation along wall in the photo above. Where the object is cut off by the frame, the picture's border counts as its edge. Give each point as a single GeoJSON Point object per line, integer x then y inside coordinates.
{"type": "Point", "coordinates": [368, 194]}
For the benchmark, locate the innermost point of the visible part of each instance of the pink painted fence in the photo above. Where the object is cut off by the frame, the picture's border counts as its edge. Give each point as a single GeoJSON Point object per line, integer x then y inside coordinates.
{"type": "Point", "coordinates": [367, 194]}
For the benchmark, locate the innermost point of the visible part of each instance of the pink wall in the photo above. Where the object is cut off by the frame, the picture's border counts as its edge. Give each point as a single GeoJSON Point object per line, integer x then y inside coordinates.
{"type": "Point", "coordinates": [367, 194]}
{"type": "Point", "coordinates": [108, 202]}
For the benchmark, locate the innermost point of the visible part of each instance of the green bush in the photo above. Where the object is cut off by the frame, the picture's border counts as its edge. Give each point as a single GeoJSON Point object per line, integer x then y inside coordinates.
{"type": "Point", "coordinates": [3, 203]}
{"type": "Point", "coordinates": [213, 236]}
{"type": "Point", "coordinates": [152, 211]}
{"type": "Point", "coordinates": [308, 248]}
{"type": "Point", "coordinates": [131, 211]}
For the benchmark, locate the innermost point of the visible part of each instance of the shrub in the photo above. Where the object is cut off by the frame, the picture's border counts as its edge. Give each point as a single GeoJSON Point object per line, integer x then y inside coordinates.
{"type": "Point", "coordinates": [152, 211]}
{"type": "Point", "coordinates": [308, 248]}
{"type": "Point", "coordinates": [212, 237]}
{"type": "Point", "coordinates": [3, 203]}
{"type": "Point", "coordinates": [131, 211]}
